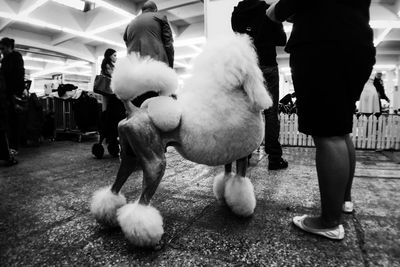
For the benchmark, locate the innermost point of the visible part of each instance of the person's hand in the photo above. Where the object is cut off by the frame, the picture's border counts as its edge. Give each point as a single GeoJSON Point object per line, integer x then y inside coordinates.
{"type": "Point", "coordinates": [271, 12]}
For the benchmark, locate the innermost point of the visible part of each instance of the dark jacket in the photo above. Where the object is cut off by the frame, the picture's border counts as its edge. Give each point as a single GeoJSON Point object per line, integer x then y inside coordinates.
{"type": "Point", "coordinates": [378, 83]}
{"type": "Point", "coordinates": [12, 68]}
{"type": "Point", "coordinates": [316, 21]}
{"type": "Point", "coordinates": [107, 68]}
{"type": "Point", "coordinates": [249, 17]}
{"type": "Point", "coordinates": [149, 34]}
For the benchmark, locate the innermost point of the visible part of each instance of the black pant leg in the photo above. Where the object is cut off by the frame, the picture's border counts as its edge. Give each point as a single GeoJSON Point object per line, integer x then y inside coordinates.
{"type": "Point", "coordinates": [272, 125]}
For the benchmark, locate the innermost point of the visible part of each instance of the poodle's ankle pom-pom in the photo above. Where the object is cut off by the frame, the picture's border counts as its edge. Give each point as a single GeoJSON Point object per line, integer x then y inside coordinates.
{"type": "Point", "coordinates": [104, 206]}
{"type": "Point", "coordinates": [142, 225]}
{"type": "Point", "coordinates": [239, 196]}
{"type": "Point", "coordinates": [219, 186]}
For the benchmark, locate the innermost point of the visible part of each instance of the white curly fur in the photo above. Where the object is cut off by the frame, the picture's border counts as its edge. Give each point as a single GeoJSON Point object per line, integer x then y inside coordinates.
{"type": "Point", "coordinates": [219, 185]}
{"type": "Point", "coordinates": [104, 206]}
{"type": "Point", "coordinates": [164, 112]}
{"type": "Point", "coordinates": [142, 225]}
{"type": "Point", "coordinates": [222, 122]}
{"type": "Point", "coordinates": [231, 62]}
{"type": "Point", "coordinates": [135, 75]}
{"type": "Point", "coordinates": [239, 195]}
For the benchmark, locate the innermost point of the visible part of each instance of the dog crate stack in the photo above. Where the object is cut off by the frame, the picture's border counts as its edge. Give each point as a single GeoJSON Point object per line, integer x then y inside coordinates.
{"type": "Point", "coordinates": [66, 119]}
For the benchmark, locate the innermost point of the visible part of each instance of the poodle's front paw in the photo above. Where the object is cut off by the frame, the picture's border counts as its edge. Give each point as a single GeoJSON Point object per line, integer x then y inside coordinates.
{"type": "Point", "coordinates": [104, 206]}
{"type": "Point", "coordinates": [239, 196]}
{"type": "Point", "coordinates": [141, 224]}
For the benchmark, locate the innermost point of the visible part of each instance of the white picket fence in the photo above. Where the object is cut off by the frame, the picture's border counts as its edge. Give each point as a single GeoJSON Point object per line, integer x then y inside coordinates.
{"type": "Point", "coordinates": [368, 132]}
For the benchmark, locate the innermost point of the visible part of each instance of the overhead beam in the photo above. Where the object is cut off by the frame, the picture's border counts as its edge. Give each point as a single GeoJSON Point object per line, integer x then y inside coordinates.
{"type": "Point", "coordinates": [382, 36]}
{"type": "Point", "coordinates": [4, 24]}
{"type": "Point", "coordinates": [172, 4]}
{"type": "Point", "coordinates": [130, 6]}
{"type": "Point", "coordinates": [29, 6]}
{"type": "Point", "coordinates": [61, 38]}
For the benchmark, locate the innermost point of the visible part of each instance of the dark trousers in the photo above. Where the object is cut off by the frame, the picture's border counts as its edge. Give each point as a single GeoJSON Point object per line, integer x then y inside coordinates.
{"type": "Point", "coordinates": [14, 128]}
{"type": "Point", "coordinates": [4, 149]}
{"type": "Point", "coordinates": [272, 127]}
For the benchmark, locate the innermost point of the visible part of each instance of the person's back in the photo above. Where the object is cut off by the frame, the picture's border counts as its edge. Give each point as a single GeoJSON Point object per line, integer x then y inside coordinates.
{"type": "Point", "coordinates": [249, 17]}
{"type": "Point", "coordinates": [12, 67]}
{"type": "Point", "coordinates": [330, 21]}
{"type": "Point", "coordinates": [145, 35]}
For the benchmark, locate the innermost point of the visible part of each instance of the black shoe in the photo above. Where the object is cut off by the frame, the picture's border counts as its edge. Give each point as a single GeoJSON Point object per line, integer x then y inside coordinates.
{"type": "Point", "coordinates": [278, 164]}
{"type": "Point", "coordinates": [12, 161]}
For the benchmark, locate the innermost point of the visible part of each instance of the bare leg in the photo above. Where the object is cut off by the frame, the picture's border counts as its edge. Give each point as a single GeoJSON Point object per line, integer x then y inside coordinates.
{"type": "Point", "coordinates": [241, 166]}
{"type": "Point", "coordinates": [352, 162]}
{"type": "Point", "coordinates": [332, 161]}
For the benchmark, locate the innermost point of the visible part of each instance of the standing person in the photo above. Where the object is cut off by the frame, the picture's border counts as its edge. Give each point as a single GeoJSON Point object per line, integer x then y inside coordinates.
{"type": "Point", "coordinates": [113, 110]}
{"type": "Point", "coordinates": [107, 68]}
{"type": "Point", "coordinates": [12, 69]}
{"type": "Point", "coordinates": [249, 17]}
{"type": "Point", "coordinates": [5, 153]}
{"type": "Point", "coordinates": [330, 39]}
{"type": "Point", "coordinates": [149, 34]}
{"type": "Point", "coordinates": [378, 83]}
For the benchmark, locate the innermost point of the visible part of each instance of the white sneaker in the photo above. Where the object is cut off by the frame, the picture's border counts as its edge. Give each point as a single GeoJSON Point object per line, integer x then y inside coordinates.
{"type": "Point", "coordinates": [348, 207]}
{"type": "Point", "coordinates": [336, 233]}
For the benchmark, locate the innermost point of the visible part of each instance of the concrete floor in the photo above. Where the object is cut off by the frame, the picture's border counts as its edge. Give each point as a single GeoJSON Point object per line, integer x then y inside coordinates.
{"type": "Point", "coordinates": [45, 218]}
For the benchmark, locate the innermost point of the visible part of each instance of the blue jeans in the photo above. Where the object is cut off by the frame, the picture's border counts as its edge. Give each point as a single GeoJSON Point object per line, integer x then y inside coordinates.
{"type": "Point", "coordinates": [272, 126]}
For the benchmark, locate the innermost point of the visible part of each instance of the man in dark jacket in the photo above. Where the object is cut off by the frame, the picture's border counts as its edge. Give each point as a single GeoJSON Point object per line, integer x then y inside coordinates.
{"type": "Point", "coordinates": [330, 39]}
{"type": "Point", "coordinates": [149, 34]}
{"type": "Point", "coordinates": [12, 69]}
{"type": "Point", "coordinates": [249, 17]}
{"type": "Point", "coordinates": [378, 83]}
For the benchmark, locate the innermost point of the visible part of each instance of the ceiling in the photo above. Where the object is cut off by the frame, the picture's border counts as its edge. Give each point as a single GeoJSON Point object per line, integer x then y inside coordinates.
{"type": "Point", "coordinates": [52, 30]}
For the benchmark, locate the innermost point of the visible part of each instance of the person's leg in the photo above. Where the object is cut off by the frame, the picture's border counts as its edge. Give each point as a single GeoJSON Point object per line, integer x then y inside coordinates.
{"type": "Point", "coordinates": [13, 136]}
{"type": "Point", "coordinates": [333, 169]}
{"type": "Point", "coordinates": [272, 145]}
{"type": "Point", "coordinates": [352, 167]}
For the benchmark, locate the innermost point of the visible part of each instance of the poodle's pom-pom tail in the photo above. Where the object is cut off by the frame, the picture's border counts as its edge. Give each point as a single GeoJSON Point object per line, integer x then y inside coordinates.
{"type": "Point", "coordinates": [134, 76]}
{"type": "Point", "coordinates": [239, 196]}
{"type": "Point", "coordinates": [219, 186]}
{"type": "Point", "coordinates": [142, 225]}
{"type": "Point", "coordinates": [104, 206]}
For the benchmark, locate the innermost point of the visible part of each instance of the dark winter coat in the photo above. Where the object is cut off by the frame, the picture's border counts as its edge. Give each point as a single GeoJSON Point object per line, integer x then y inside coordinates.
{"type": "Point", "coordinates": [4, 103]}
{"type": "Point", "coordinates": [12, 68]}
{"type": "Point", "coordinates": [378, 83]}
{"type": "Point", "coordinates": [318, 21]}
{"type": "Point", "coordinates": [149, 34]}
{"type": "Point", "coordinates": [249, 17]}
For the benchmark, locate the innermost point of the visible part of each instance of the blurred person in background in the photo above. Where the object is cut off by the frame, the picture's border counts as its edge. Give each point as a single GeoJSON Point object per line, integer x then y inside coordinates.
{"type": "Point", "coordinates": [249, 17]}
{"type": "Point", "coordinates": [149, 34]}
{"type": "Point", "coordinates": [378, 83]}
{"type": "Point", "coordinates": [13, 72]}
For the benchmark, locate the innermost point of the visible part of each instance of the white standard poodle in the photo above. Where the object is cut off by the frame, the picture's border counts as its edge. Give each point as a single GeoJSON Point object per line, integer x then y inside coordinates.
{"type": "Point", "coordinates": [215, 119]}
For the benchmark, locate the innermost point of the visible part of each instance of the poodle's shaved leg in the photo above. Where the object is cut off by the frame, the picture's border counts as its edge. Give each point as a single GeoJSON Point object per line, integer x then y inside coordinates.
{"type": "Point", "coordinates": [128, 162]}
{"type": "Point", "coordinates": [125, 170]}
{"type": "Point", "coordinates": [228, 168]}
{"type": "Point", "coordinates": [153, 171]}
{"type": "Point", "coordinates": [241, 166]}
{"type": "Point", "coordinates": [149, 148]}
